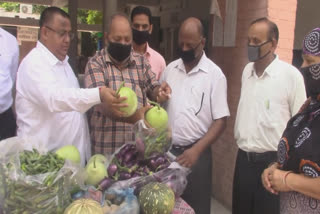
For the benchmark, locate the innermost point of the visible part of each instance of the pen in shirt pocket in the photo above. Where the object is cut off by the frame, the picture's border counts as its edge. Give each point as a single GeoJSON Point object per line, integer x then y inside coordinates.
{"type": "Point", "coordinates": [267, 103]}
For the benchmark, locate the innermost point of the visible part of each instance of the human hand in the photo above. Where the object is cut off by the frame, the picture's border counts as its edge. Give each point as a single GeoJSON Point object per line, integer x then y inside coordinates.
{"type": "Point", "coordinates": [140, 113]}
{"type": "Point", "coordinates": [276, 179]}
{"type": "Point", "coordinates": [164, 92]}
{"type": "Point", "coordinates": [112, 102]}
{"type": "Point", "coordinates": [265, 178]}
{"type": "Point", "coordinates": [188, 158]}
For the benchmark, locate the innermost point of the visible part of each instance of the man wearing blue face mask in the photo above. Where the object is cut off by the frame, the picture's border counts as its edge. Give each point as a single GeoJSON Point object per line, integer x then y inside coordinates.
{"type": "Point", "coordinates": [272, 92]}
{"type": "Point", "coordinates": [197, 110]}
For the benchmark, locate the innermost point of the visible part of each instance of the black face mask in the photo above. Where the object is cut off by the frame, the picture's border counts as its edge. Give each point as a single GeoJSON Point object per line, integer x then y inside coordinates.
{"type": "Point", "coordinates": [189, 55]}
{"type": "Point", "coordinates": [119, 51]}
{"type": "Point", "coordinates": [311, 75]}
{"type": "Point", "coordinates": [254, 52]}
{"type": "Point", "coordinates": [140, 37]}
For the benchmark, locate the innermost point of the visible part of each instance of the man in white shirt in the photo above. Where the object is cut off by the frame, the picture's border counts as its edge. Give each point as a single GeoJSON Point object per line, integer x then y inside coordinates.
{"type": "Point", "coordinates": [272, 92]}
{"type": "Point", "coordinates": [9, 60]}
{"type": "Point", "coordinates": [49, 103]}
{"type": "Point", "coordinates": [197, 111]}
{"type": "Point", "coordinates": [141, 32]}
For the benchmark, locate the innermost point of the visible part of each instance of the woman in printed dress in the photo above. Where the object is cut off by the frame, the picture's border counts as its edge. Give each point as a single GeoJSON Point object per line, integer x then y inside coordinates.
{"type": "Point", "coordinates": [296, 175]}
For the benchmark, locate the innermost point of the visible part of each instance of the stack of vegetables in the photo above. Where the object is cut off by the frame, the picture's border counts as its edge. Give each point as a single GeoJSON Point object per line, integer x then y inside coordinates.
{"type": "Point", "coordinates": [35, 187]}
{"type": "Point", "coordinates": [126, 164]}
{"type": "Point", "coordinates": [32, 182]}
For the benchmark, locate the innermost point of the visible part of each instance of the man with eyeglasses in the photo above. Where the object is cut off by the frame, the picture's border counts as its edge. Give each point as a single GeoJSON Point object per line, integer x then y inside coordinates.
{"type": "Point", "coordinates": [49, 103]}
{"type": "Point", "coordinates": [198, 111]}
{"type": "Point", "coordinates": [141, 32]}
{"type": "Point", "coordinates": [272, 91]}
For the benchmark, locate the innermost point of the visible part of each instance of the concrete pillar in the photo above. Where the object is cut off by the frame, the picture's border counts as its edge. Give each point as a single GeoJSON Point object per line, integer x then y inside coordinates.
{"type": "Point", "coordinates": [73, 50]}
{"type": "Point", "coordinates": [109, 8]}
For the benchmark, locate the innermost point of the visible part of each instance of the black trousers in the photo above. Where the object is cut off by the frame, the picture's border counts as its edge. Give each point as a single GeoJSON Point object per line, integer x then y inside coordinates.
{"type": "Point", "coordinates": [7, 124]}
{"type": "Point", "coordinates": [198, 191]}
{"type": "Point", "coordinates": [249, 195]}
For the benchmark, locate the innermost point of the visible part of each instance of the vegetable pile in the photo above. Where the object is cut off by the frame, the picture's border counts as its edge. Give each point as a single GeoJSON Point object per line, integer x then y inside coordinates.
{"type": "Point", "coordinates": [126, 164]}
{"type": "Point", "coordinates": [39, 189]}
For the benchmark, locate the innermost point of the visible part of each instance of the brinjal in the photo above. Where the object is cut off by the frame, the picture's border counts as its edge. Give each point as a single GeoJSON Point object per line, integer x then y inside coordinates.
{"type": "Point", "coordinates": [112, 168]}
{"type": "Point", "coordinates": [105, 184]}
{"type": "Point", "coordinates": [124, 176]}
{"type": "Point", "coordinates": [129, 156]}
{"type": "Point", "coordinates": [160, 160]}
{"type": "Point", "coordinates": [153, 164]}
{"type": "Point", "coordinates": [163, 166]}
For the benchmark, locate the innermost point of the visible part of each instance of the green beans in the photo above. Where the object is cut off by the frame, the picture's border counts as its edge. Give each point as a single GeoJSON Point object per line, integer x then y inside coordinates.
{"type": "Point", "coordinates": [38, 189]}
{"type": "Point", "coordinates": [33, 163]}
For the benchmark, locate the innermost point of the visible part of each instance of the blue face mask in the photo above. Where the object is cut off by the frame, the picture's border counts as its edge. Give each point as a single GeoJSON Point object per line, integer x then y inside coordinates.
{"type": "Point", "coordinates": [254, 52]}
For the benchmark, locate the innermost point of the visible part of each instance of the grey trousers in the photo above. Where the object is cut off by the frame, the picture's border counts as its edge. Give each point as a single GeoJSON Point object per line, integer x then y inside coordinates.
{"type": "Point", "coordinates": [198, 191]}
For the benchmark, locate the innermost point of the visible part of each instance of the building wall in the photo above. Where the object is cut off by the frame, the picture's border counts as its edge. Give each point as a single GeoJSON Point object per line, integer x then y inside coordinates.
{"type": "Point", "coordinates": [232, 61]}
{"type": "Point", "coordinates": [308, 18]}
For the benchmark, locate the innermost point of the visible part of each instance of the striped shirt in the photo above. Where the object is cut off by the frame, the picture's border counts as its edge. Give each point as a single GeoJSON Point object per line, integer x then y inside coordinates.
{"type": "Point", "coordinates": [106, 134]}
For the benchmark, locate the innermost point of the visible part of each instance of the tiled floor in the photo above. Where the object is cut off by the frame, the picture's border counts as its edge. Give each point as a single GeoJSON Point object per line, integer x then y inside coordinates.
{"type": "Point", "coordinates": [217, 208]}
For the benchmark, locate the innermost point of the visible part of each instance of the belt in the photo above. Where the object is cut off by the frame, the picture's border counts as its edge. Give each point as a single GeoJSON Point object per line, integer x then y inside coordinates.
{"type": "Point", "coordinates": [259, 157]}
{"type": "Point", "coordinates": [178, 149]}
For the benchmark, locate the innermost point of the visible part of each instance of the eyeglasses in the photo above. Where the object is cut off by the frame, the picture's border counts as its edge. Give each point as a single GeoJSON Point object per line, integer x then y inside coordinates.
{"type": "Point", "coordinates": [62, 34]}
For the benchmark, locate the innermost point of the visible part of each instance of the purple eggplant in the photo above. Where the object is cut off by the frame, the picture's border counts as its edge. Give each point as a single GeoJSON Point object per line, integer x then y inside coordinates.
{"type": "Point", "coordinates": [163, 166]}
{"type": "Point", "coordinates": [153, 164]}
{"type": "Point", "coordinates": [160, 160]}
{"type": "Point", "coordinates": [124, 176]}
{"type": "Point", "coordinates": [112, 168]}
{"type": "Point", "coordinates": [140, 146]}
{"type": "Point", "coordinates": [124, 149]}
{"type": "Point", "coordinates": [129, 156]}
{"type": "Point", "coordinates": [105, 184]}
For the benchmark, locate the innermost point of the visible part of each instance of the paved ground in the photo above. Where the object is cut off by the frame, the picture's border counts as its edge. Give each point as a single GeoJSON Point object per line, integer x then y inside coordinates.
{"type": "Point", "coordinates": [217, 208]}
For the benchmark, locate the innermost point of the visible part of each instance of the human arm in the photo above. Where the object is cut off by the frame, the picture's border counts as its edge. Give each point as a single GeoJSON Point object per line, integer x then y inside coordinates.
{"type": "Point", "coordinates": [155, 91]}
{"type": "Point", "coordinates": [297, 92]}
{"type": "Point", "coordinates": [284, 181]}
{"type": "Point", "coordinates": [190, 156]}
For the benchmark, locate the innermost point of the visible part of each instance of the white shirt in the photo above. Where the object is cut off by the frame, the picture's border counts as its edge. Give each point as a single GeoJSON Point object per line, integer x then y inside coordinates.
{"type": "Point", "coordinates": [266, 104]}
{"type": "Point", "coordinates": [50, 104]}
{"type": "Point", "coordinates": [9, 60]}
{"type": "Point", "coordinates": [198, 98]}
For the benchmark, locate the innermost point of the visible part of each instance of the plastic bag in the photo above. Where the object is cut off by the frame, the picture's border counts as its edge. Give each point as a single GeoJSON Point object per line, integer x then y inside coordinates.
{"type": "Point", "coordinates": [150, 142]}
{"type": "Point", "coordinates": [21, 193]}
{"type": "Point", "coordinates": [174, 176]}
{"type": "Point", "coordinates": [121, 201]}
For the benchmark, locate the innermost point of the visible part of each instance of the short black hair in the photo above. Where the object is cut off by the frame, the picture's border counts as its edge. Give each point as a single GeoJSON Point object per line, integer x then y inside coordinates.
{"type": "Point", "coordinates": [49, 12]}
{"type": "Point", "coordinates": [141, 10]}
{"type": "Point", "coordinates": [273, 28]}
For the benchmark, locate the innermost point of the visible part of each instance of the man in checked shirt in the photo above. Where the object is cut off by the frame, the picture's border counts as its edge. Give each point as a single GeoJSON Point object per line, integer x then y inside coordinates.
{"type": "Point", "coordinates": [109, 67]}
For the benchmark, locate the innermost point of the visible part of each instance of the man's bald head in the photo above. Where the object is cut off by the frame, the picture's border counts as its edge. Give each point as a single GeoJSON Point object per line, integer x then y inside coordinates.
{"type": "Point", "coordinates": [116, 19]}
{"type": "Point", "coordinates": [191, 41]}
{"type": "Point", "coordinates": [192, 25]}
{"type": "Point", "coordinates": [119, 29]}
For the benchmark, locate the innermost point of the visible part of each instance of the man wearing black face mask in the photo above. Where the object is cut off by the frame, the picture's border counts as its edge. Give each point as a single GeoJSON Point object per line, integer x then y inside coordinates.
{"type": "Point", "coordinates": [110, 67]}
{"type": "Point", "coordinates": [198, 111]}
{"type": "Point", "coordinates": [141, 32]}
{"type": "Point", "coordinates": [272, 92]}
